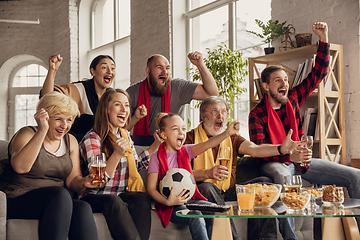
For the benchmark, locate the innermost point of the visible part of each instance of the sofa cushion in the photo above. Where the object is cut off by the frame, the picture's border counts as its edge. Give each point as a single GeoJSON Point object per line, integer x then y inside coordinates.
{"type": "Point", "coordinates": [19, 229]}
{"type": "Point", "coordinates": [3, 149]}
{"type": "Point", "coordinates": [246, 169]}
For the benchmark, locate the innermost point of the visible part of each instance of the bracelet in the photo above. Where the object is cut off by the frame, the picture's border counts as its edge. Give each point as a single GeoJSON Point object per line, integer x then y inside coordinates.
{"type": "Point", "coordinates": [279, 150]}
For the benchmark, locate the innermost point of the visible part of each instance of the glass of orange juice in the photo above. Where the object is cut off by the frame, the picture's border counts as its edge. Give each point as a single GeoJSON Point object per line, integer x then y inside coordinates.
{"type": "Point", "coordinates": [246, 198]}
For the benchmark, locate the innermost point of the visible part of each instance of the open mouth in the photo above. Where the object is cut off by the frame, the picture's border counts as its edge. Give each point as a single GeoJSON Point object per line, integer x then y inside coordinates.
{"type": "Point", "coordinates": [218, 124]}
{"type": "Point", "coordinates": [107, 79]}
{"type": "Point", "coordinates": [179, 141]}
{"type": "Point", "coordinates": [162, 80]}
{"type": "Point", "coordinates": [282, 91]}
{"type": "Point", "coordinates": [60, 132]}
{"type": "Point", "coordinates": [121, 118]}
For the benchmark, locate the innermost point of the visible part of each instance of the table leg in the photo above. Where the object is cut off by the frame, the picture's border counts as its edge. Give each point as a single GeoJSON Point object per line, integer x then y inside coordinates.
{"type": "Point", "coordinates": [350, 228]}
{"type": "Point", "coordinates": [221, 229]}
{"type": "Point", "coordinates": [332, 229]}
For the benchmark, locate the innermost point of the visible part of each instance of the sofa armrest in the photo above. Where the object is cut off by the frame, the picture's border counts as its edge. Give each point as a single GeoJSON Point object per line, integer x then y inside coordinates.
{"type": "Point", "coordinates": [2, 215]}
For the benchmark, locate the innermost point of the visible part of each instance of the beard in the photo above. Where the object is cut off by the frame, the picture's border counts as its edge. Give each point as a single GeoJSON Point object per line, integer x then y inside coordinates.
{"type": "Point", "coordinates": [210, 126]}
{"type": "Point", "coordinates": [278, 98]}
{"type": "Point", "coordinates": [155, 88]}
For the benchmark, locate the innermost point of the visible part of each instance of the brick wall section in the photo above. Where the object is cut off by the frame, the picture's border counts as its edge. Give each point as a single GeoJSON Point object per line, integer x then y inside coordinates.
{"type": "Point", "coordinates": [342, 18]}
{"type": "Point", "coordinates": [150, 34]}
{"type": "Point", "coordinates": [53, 35]}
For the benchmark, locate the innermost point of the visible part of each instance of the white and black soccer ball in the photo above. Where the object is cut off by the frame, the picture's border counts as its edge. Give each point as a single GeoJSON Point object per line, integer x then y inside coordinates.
{"type": "Point", "coordinates": [178, 178]}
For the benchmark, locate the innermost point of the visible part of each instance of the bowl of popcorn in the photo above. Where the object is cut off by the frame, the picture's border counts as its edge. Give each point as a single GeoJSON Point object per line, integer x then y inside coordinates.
{"type": "Point", "coordinates": [315, 193]}
{"type": "Point", "coordinates": [295, 201]}
{"type": "Point", "coordinates": [332, 195]}
{"type": "Point", "coordinates": [266, 194]}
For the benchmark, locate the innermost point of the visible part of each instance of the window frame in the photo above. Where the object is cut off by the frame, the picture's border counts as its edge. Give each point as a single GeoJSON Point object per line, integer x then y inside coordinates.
{"type": "Point", "coordinates": [193, 113]}
{"type": "Point", "coordinates": [14, 91]}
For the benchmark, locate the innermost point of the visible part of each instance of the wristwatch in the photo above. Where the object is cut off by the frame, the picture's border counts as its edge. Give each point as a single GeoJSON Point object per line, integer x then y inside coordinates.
{"type": "Point", "coordinates": [279, 150]}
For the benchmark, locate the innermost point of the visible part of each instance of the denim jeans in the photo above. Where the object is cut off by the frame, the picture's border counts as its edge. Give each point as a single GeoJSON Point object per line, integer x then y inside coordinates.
{"type": "Point", "coordinates": [128, 215]}
{"type": "Point", "coordinates": [320, 172]}
{"type": "Point", "coordinates": [200, 228]}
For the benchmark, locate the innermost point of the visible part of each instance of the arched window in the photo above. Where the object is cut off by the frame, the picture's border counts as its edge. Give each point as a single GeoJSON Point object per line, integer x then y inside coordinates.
{"type": "Point", "coordinates": [111, 21]}
{"type": "Point", "coordinates": [25, 85]}
{"type": "Point", "coordinates": [109, 34]}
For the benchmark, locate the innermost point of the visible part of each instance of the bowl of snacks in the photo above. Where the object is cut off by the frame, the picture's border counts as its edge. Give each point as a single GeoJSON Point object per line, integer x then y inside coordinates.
{"type": "Point", "coordinates": [295, 201]}
{"type": "Point", "coordinates": [315, 193]}
{"type": "Point", "coordinates": [266, 194]}
{"type": "Point", "coordinates": [332, 195]}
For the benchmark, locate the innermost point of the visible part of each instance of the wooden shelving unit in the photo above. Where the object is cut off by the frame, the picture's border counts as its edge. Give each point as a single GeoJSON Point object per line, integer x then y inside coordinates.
{"type": "Point", "coordinates": [330, 103]}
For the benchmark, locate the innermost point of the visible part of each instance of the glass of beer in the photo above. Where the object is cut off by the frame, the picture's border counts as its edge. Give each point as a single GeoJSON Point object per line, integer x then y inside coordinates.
{"type": "Point", "coordinates": [98, 166]}
{"type": "Point", "coordinates": [224, 156]}
{"type": "Point", "coordinates": [309, 145]}
{"type": "Point", "coordinates": [292, 183]}
{"type": "Point", "coordinates": [246, 198]}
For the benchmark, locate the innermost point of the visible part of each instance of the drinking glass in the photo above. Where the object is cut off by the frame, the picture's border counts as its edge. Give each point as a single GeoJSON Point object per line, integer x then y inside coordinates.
{"type": "Point", "coordinates": [309, 145]}
{"type": "Point", "coordinates": [246, 198]}
{"type": "Point", "coordinates": [292, 183]}
{"type": "Point", "coordinates": [224, 156]}
{"type": "Point", "coordinates": [98, 166]}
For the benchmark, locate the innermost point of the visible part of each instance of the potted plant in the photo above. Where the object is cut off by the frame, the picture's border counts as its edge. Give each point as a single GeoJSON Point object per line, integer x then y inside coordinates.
{"type": "Point", "coordinates": [228, 68]}
{"type": "Point", "coordinates": [270, 31]}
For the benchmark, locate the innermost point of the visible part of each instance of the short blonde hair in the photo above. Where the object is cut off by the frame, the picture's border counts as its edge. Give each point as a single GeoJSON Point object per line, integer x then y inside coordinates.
{"type": "Point", "coordinates": [57, 103]}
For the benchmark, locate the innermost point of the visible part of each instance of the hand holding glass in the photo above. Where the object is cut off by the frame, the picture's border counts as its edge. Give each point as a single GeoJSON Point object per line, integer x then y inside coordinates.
{"type": "Point", "coordinates": [309, 145]}
{"type": "Point", "coordinates": [292, 183]}
{"type": "Point", "coordinates": [224, 156]}
{"type": "Point", "coordinates": [98, 166]}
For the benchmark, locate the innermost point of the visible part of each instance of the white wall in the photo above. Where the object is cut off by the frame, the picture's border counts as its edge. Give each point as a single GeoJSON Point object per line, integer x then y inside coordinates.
{"type": "Point", "coordinates": [342, 17]}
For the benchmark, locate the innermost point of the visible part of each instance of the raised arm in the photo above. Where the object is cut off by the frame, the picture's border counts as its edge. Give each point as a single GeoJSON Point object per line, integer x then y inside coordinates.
{"type": "Point", "coordinates": [269, 150]}
{"type": "Point", "coordinates": [214, 141]}
{"type": "Point", "coordinates": [140, 112]}
{"type": "Point", "coordinates": [25, 146]}
{"type": "Point", "coordinates": [208, 87]}
{"type": "Point", "coordinates": [156, 144]}
{"type": "Point", "coordinates": [54, 64]}
{"type": "Point", "coordinates": [321, 29]}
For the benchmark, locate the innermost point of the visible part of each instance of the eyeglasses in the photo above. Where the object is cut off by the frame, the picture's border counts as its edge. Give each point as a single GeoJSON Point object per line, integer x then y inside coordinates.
{"type": "Point", "coordinates": [216, 112]}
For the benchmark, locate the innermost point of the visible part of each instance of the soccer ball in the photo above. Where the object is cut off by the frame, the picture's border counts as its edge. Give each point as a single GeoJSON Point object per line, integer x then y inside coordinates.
{"type": "Point", "coordinates": [178, 178]}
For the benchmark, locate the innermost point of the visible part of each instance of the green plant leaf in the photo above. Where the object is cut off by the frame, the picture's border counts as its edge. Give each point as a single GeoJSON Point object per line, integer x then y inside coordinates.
{"type": "Point", "coordinates": [228, 68]}
{"type": "Point", "coordinates": [270, 30]}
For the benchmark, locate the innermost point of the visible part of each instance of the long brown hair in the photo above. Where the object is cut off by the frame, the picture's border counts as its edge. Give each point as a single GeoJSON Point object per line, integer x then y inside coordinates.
{"type": "Point", "coordinates": [102, 122]}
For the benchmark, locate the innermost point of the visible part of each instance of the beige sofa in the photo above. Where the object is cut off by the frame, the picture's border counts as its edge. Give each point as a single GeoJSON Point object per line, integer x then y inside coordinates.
{"type": "Point", "coordinates": [18, 229]}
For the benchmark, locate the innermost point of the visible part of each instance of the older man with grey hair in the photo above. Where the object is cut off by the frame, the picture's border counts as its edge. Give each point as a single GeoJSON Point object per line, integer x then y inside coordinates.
{"type": "Point", "coordinates": [212, 178]}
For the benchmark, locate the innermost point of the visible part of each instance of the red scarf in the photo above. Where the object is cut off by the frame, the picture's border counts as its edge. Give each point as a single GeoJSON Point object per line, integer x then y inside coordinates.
{"type": "Point", "coordinates": [164, 212]}
{"type": "Point", "coordinates": [276, 127]}
{"type": "Point", "coordinates": [142, 126]}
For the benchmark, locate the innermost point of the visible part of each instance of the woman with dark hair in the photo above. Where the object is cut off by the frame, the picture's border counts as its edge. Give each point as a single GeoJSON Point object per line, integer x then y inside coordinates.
{"type": "Point", "coordinates": [85, 93]}
{"type": "Point", "coordinates": [43, 160]}
{"type": "Point", "coordinates": [122, 200]}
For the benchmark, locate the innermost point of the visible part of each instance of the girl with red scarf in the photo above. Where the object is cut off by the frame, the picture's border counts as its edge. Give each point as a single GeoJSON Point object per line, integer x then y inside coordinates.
{"type": "Point", "coordinates": [172, 154]}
